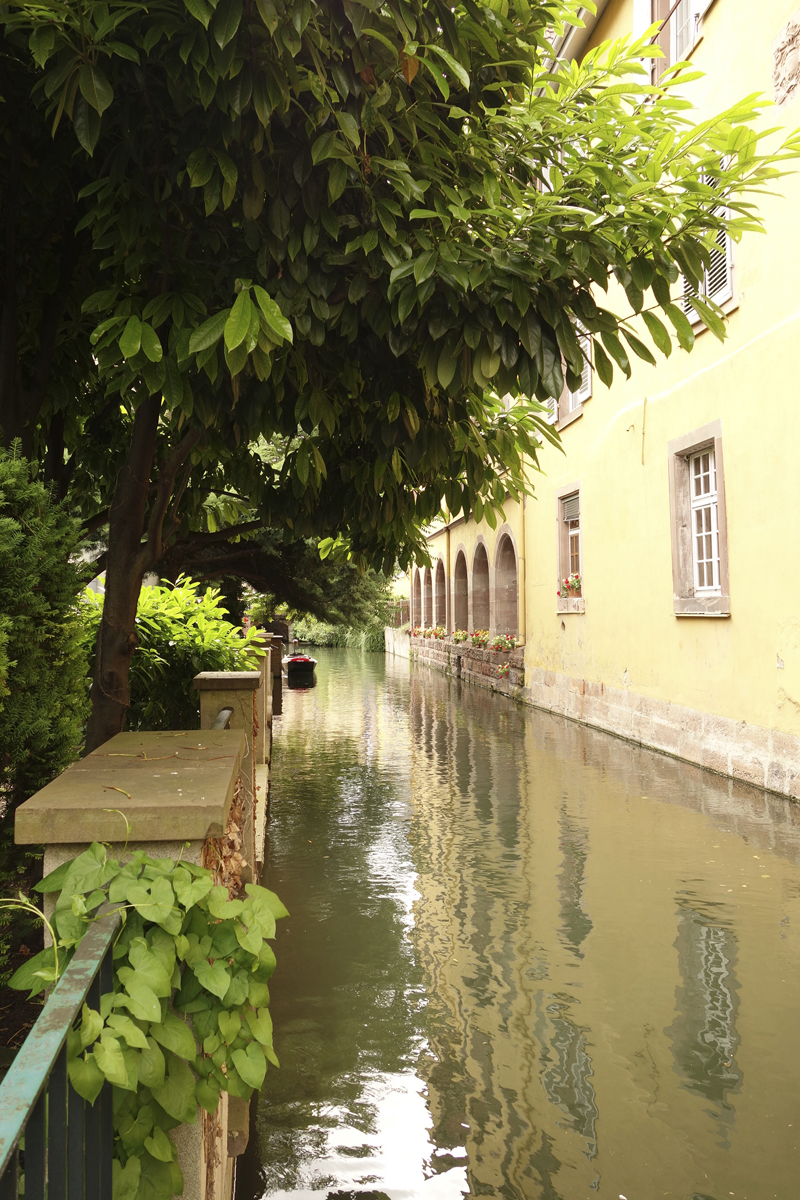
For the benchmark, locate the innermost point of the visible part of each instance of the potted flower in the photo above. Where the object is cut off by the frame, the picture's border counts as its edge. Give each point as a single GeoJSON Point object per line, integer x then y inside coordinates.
{"type": "Point", "coordinates": [503, 670]}
{"type": "Point", "coordinates": [571, 586]}
{"type": "Point", "coordinates": [480, 637]}
{"type": "Point", "coordinates": [503, 642]}
{"type": "Point", "coordinates": [440, 633]}
{"type": "Point", "coordinates": [459, 636]}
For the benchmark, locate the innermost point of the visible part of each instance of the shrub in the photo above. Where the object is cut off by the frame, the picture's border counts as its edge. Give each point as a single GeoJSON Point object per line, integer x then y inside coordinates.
{"type": "Point", "coordinates": [186, 948]}
{"type": "Point", "coordinates": [181, 631]}
{"type": "Point", "coordinates": [43, 698]}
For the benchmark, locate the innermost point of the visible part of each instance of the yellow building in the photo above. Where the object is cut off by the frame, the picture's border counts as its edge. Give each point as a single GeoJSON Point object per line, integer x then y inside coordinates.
{"type": "Point", "coordinates": [673, 501]}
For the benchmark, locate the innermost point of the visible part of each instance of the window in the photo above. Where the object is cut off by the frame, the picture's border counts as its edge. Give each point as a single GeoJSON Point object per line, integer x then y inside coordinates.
{"type": "Point", "coordinates": [570, 551]}
{"type": "Point", "coordinates": [705, 530]}
{"type": "Point", "coordinates": [717, 281]}
{"type": "Point", "coordinates": [679, 33]}
{"type": "Point", "coordinates": [699, 530]}
{"type": "Point", "coordinates": [584, 392]}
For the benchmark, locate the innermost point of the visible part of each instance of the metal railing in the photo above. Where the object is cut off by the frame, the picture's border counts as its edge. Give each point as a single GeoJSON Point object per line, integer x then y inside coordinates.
{"type": "Point", "coordinates": [223, 719]}
{"type": "Point", "coordinates": [68, 1143]}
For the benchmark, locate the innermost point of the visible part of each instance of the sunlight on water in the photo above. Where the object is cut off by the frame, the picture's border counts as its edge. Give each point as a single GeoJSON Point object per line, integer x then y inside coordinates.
{"type": "Point", "coordinates": [524, 959]}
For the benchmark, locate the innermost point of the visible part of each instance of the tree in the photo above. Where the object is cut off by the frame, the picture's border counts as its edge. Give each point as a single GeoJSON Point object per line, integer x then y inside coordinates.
{"type": "Point", "coordinates": [348, 229]}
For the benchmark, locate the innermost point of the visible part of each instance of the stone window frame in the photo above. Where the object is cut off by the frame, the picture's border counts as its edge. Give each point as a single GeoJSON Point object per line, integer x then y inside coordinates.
{"type": "Point", "coordinates": [679, 451]}
{"type": "Point", "coordinates": [567, 604]}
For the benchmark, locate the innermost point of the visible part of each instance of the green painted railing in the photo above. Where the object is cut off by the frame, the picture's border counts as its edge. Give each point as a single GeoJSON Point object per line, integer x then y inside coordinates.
{"type": "Point", "coordinates": [68, 1143]}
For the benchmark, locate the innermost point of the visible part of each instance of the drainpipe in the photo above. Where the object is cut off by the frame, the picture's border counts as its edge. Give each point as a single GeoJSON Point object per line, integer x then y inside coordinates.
{"type": "Point", "coordinates": [522, 597]}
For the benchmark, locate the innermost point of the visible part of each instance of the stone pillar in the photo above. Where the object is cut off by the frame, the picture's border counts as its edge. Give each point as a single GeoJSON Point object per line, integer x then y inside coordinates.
{"type": "Point", "coordinates": [152, 791]}
{"type": "Point", "coordinates": [264, 641]}
{"type": "Point", "coordinates": [237, 690]}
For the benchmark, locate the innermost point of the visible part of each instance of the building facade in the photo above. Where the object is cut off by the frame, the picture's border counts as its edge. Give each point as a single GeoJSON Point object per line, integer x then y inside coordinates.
{"type": "Point", "coordinates": [670, 509]}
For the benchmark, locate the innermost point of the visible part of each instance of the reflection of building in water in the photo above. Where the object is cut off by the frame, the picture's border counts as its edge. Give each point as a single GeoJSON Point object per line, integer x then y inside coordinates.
{"type": "Point", "coordinates": [704, 1037]}
{"type": "Point", "coordinates": [575, 924]}
{"type": "Point", "coordinates": [567, 1079]}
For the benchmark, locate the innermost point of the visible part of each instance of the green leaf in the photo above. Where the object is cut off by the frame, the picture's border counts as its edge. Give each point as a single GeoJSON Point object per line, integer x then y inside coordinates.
{"type": "Point", "coordinates": [86, 1077]}
{"type": "Point", "coordinates": [530, 333]}
{"type": "Point", "coordinates": [446, 365]}
{"type": "Point", "coordinates": [159, 1146]}
{"type": "Point", "coordinates": [131, 338]}
{"type": "Point", "coordinates": [173, 397]}
{"type": "Point", "coordinates": [681, 326]}
{"type": "Point", "coordinates": [262, 895]}
{"type": "Point", "coordinates": [425, 265]}
{"type": "Point", "coordinates": [220, 906]}
{"type": "Point", "coordinates": [152, 1065]}
{"type": "Point", "coordinates": [86, 123]}
{"type": "Point", "coordinates": [125, 1180]}
{"type": "Point", "coordinates": [91, 1025]}
{"type": "Point", "coordinates": [275, 319]}
{"type": "Point", "coordinates": [27, 976]}
{"type": "Point", "coordinates": [200, 11]}
{"type": "Point", "coordinates": [459, 72]}
{"type": "Point", "coordinates": [176, 1095]}
{"type": "Point", "coordinates": [124, 1027]}
{"type": "Point", "coordinates": [617, 351]}
{"type": "Point", "coordinates": [175, 1035]}
{"type": "Point", "coordinates": [260, 1024]}
{"type": "Point", "coordinates": [208, 1094]}
{"type": "Point", "coordinates": [337, 180]}
{"type": "Point", "coordinates": [658, 332]}
{"type": "Point", "coordinates": [230, 1024]}
{"type": "Point", "coordinates": [238, 323]}
{"type": "Point", "coordinates": [54, 882]}
{"type": "Point", "coordinates": [226, 21]}
{"type": "Point", "coordinates": [189, 890]}
{"type": "Point", "coordinates": [602, 364]}
{"type": "Point", "coordinates": [108, 1055]}
{"type": "Point", "coordinates": [638, 347]}
{"type": "Point", "coordinates": [209, 333]}
{"type": "Point", "coordinates": [138, 998]}
{"type": "Point", "coordinates": [95, 88]}
{"type": "Point", "coordinates": [151, 343]}
{"type": "Point", "coordinates": [148, 968]}
{"type": "Point", "coordinates": [251, 1064]}
{"type": "Point", "coordinates": [214, 977]}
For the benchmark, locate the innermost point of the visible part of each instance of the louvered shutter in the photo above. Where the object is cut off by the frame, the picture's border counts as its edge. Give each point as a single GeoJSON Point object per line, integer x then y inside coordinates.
{"type": "Point", "coordinates": [717, 281]}
{"type": "Point", "coordinates": [584, 392]}
{"type": "Point", "coordinates": [572, 507]}
{"type": "Point", "coordinates": [552, 410]}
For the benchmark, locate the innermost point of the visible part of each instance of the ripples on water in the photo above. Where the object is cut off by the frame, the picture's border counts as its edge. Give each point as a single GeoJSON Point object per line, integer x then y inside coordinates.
{"type": "Point", "coordinates": [524, 959]}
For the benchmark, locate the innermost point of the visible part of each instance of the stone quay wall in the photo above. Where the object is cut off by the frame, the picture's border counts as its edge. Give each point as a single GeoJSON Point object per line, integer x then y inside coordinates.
{"type": "Point", "coordinates": [471, 663]}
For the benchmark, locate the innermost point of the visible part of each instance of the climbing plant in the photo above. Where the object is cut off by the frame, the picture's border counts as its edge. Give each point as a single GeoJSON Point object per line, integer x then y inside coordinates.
{"type": "Point", "coordinates": [188, 1017]}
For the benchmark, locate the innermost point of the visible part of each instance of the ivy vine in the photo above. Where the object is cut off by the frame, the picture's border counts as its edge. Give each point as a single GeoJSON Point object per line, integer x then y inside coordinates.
{"type": "Point", "coordinates": [184, 948]}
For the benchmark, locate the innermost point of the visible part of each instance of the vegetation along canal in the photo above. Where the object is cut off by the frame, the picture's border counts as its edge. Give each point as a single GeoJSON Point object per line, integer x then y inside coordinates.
{"type": "Point", "coordinates": [524, 958]}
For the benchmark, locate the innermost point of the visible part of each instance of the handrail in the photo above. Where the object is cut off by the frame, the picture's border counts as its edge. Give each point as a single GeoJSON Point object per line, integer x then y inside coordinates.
{"type": "Point", "coordinates": [61, 1132]}
{"type": "Point", "coordinates": [222, 719]}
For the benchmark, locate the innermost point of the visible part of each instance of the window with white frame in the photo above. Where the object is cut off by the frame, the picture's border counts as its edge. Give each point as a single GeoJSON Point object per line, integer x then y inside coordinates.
{"type": "Point", "coordinates": [699, 534]}
{"type": "Point", "coordinates": [705, 522]}
{"type": "Point", "coordinates": [717, 281]}
{"type": "Point", "coordinates": [571, 506]}
{"type": "Point", "coordinates": [683, 25]}
{"type": "Point", "coordinates": [584, 392]}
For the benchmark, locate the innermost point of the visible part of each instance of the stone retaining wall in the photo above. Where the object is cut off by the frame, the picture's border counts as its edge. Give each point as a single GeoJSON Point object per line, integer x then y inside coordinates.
{"type": "Point", "coordinates": [472, 664]}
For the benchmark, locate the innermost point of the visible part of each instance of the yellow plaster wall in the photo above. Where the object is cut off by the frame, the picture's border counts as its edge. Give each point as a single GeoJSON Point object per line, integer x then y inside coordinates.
{"type": "Point", "coordinates": [629, 635]}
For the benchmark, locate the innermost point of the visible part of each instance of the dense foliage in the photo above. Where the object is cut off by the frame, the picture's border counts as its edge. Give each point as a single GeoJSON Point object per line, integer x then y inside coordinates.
{"type": "Point", "coordinates": [367, 636]}
{"type": "Point", "coordinates": [42, 694]}
{"type": "Point", "coordinates": [185, 948]}
{"type": "Point", "coordinates": [182, 630]}
{"type": "Point", "coordinates": [284, 256]}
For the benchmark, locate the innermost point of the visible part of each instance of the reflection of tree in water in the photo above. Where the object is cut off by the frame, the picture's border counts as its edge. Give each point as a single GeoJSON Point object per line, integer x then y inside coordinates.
{"type": "Point", "coordinates": [575, 923]}
{"type": "Point", "coordinates": [703, 1034]}
{"type": "Point", "coordinates": [567, 1080]}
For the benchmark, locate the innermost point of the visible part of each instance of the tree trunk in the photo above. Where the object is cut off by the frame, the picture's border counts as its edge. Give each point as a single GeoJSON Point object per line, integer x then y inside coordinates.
{"type": "Point", "coordinates": [116, 638]}
{"type": "Point", "coordinates": [135, 544]}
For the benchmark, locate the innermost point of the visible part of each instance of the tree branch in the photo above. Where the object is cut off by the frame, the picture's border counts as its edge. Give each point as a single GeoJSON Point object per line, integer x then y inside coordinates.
{"type": "Point", "coordinates": [153, 547]}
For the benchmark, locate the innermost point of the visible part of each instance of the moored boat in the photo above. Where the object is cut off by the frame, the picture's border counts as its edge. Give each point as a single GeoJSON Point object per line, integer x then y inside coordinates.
{"type": "Point", "coordinates": [299, 666]}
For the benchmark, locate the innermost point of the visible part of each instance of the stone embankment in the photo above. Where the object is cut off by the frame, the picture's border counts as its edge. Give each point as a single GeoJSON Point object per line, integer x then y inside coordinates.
{"type": "Point", "coordinates": [471, 663]}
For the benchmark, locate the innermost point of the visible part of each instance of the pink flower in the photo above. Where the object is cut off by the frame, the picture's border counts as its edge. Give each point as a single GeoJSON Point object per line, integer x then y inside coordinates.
{"type": "Point", "coordinates": [558, 593]}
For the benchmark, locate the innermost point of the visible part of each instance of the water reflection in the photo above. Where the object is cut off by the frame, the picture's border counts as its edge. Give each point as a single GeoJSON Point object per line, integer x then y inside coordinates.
{"type": "Point", "coordinates": [487, 986]}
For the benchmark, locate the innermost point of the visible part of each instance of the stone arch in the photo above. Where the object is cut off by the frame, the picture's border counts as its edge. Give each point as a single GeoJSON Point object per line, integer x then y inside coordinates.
{"type": "Point", "coordinates": [506, 599]}
{"type": "Point", "coordinates": [460, 593]}
{"type": "Point", "coordinates": [440, 596]}
{"type": "Point", "coordinates": [427, 598]}
{"type": "Point", "coordinates": [416, 599]}
{"type": "Point", "coordinates": [480, 588]}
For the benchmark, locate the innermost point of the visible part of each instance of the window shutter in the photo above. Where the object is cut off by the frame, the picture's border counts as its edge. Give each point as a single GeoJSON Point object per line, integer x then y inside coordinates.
{"type": "Point", "coordinates": [552, 410]}
{"type": "Point", "coordinates": [719, 285]}
{"type": "Point", "coordinates": [572, 507]}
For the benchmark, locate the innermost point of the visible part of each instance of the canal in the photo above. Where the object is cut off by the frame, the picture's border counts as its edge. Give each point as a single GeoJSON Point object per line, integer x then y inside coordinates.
{"type": "Point", "coordinates": [524, 958]}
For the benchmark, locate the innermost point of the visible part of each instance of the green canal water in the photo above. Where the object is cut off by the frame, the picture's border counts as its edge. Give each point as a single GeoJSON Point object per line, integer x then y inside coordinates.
{"type": "Point", "coordinates": [524, 958]}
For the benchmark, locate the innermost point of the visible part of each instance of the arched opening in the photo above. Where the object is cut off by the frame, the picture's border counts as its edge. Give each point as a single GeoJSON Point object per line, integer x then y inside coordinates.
{"type": "Point", "coordinates": [460, 593]}
{"type": "Point", "coordinates": [480, 589]}
{"type": "Point", "coordinates": [427, 598]}
{"type": "Point", "coordinates": [440, 595]}
{"type": "Point", "coordinates": [416, 600]}
{"type": "Point", "coordinates": [506, 585]}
